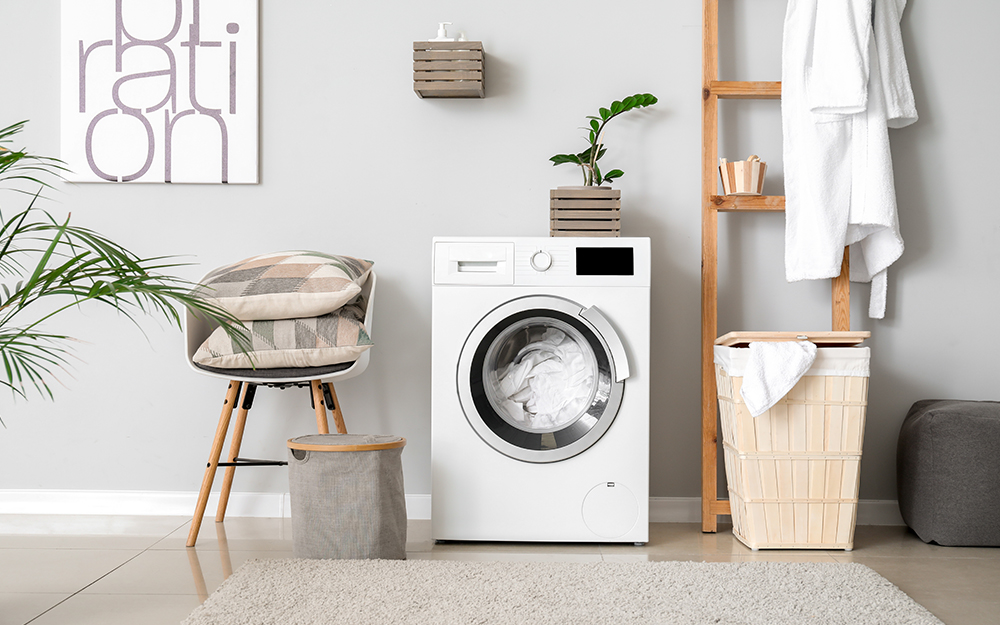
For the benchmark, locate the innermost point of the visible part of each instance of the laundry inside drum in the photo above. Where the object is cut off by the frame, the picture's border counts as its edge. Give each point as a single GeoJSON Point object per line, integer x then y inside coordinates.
{"type": "Point", "coordinates": [541, 374]}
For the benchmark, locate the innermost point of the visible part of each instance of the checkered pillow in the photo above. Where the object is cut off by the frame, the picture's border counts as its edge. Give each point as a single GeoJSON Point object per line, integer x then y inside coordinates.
{"type": "Point", "coordinates": [313, 342]}
{"type": "Point", "coordinates": [285, 285]}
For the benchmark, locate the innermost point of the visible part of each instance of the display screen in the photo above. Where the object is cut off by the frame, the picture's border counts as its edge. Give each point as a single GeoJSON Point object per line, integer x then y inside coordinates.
{"type": "Point", "coordinates": [604, 261]}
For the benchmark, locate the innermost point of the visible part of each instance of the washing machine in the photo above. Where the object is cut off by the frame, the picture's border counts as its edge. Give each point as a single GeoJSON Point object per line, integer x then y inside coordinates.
{"type": "Point", "coordinates": [540, 389]}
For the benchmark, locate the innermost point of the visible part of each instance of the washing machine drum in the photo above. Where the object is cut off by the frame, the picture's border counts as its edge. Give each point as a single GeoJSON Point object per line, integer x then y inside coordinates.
{"type": "Point", "coordinates": [541, 379]}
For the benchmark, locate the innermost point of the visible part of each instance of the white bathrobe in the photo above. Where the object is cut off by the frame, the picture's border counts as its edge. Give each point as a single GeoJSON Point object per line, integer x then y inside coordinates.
{"type": "Point", "coordinates": [844, 83]}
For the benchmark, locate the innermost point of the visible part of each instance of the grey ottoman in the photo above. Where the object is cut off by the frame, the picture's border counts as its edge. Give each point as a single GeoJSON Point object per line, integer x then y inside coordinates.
{"type": "Point", "coordinates": [948, 471]}
{"type": "Point", "coordinates": [347, 496]}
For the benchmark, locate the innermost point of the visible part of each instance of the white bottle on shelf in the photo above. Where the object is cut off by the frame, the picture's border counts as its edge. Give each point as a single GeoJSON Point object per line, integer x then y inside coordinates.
{"type": "Point", "coordinates": [443, 32]}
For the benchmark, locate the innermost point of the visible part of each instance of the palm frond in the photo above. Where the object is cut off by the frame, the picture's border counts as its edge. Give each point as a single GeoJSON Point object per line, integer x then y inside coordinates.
{"type": "Point", "coordinates": [80, 266]}
{"type": "Point", "coordinates": [21, 165]}
{"type": "Point", "coordinates": [58, 266]}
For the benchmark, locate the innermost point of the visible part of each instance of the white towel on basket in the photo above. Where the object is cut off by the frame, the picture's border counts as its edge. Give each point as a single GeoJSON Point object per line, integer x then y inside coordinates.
{"type": "Point", "coordinates": [772, 370]}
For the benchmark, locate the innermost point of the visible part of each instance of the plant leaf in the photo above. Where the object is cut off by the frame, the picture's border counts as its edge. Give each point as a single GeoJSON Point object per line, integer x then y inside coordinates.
{"type": "Point", "coordinates": [63, 266]}
{"type": "Point", "coordinates": [605, 114]}
{"type": "Point", "coordinates": [560, 159]}
{"type": "Point", "coordinates": [614, 173]}
{"type": "Point", "coordinates": [594, 124]}
{"type": "Point", "coordinates": [616, 107]}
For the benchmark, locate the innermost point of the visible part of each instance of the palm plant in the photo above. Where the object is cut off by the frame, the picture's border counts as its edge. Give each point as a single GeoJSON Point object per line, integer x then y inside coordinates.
{"type": "Point", "coordinates": [54, 266]}
{"type": "Point", "coordinates": [587, 159]}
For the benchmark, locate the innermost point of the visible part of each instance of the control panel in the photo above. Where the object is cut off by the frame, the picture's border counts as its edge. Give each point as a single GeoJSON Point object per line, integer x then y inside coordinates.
{"type": "Point", "coordinates": [542, 261]}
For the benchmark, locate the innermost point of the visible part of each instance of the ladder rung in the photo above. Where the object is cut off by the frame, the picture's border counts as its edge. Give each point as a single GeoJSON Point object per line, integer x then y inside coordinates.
{"type": "Point", "coordinates": [731, 89]}
{"type": "Point", "coordinates": [721, 506]}
{"type": "Point", "coordinates": [747, 202]}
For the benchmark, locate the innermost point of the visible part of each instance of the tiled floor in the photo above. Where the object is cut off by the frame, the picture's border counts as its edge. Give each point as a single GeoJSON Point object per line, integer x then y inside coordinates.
{"type": "Point", "coordinates": [84, 570]}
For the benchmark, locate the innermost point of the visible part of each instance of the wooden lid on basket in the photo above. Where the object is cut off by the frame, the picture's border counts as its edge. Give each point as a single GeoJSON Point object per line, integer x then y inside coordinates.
{"type": "Point", "coordinates": [821, 339]}
{"type": "Point", "coordinates": [346, 442]}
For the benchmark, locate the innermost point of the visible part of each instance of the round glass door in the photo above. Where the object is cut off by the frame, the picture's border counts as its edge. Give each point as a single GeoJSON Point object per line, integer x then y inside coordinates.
{"type": "Point", "coordinates": [536, 380]}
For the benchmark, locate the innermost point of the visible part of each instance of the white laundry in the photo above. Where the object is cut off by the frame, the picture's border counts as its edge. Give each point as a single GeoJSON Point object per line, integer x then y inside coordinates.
{"type": "Point", "coordinates": [773, 368]}
{"type": "Point", "coordinates": [549, 382]}
{"type": "Point", "coordinates": [844, 83]}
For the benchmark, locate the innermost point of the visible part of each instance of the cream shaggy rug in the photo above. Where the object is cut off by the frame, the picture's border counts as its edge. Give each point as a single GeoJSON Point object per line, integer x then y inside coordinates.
{"type": "Point", "coordinates": [315, 592]}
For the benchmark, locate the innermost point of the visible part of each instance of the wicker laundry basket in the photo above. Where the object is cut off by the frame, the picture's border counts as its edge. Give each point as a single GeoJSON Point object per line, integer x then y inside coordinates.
{"type": "Point", "coordinates": [793, 472]}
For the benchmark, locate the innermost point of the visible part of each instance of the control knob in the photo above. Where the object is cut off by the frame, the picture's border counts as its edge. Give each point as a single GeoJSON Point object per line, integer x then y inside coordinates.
{"type": "Point", "coordinates": [541, 260]}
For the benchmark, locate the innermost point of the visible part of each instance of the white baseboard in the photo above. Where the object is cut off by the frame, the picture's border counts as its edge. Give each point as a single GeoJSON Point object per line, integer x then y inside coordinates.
{"type": "Point", "coordinates": [164, 503]}
{"type": "Point", "coordinates": [161, 503]}
{"type": "Point", "coordinates": [688, 510]}
{"type": "Point", "coordinates": [138, 503]}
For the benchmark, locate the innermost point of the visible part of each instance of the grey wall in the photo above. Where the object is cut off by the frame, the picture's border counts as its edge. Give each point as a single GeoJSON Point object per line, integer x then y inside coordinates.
{"type": "Point", "coordinates": [353, 162]}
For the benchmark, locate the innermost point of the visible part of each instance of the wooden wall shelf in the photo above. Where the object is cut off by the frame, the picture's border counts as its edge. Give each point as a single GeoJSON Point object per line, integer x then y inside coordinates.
{"type": "Point", "coordinates": [448, 69]}
{"type": "Point", "coordinates": [728, 203]}
{"type": "Point", "coordinates": [737, 90]}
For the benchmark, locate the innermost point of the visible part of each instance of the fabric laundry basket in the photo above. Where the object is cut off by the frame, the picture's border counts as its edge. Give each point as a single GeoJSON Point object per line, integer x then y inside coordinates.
{"type": "Point", "coordinates": [347, 496]}
{"type": "Point", "coordinates": [793, 471]}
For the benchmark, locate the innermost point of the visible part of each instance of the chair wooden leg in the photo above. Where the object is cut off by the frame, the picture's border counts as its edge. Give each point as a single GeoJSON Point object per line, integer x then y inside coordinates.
{"type": "Point", "coordinates": [322, 425]}
{"type": "Point", "coordinates": [234, 450]}
{"type": "Point", "coordinates": [232, 394]}
{"type": "Point", "coordinates": [338, 416]}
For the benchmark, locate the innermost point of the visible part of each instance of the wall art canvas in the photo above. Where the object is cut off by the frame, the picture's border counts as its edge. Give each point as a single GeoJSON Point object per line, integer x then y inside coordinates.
{"type": "Point", "coordinates": [159, 90]}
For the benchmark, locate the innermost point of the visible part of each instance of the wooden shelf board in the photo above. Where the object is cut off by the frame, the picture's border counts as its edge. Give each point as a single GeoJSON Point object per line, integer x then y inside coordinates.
{"type": "Point", "coordinates": [447, 45]}
{"type": "Point", "coordinates": [742, 90]}
{"type": "Point", "coordinates": [747, 202]}
{"type": "Point", "coordinates": [721, 506]}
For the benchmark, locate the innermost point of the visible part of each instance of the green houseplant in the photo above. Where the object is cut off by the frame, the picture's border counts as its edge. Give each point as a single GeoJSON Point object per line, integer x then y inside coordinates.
{"type": "Point", "coordinates": [587, 160]}
{"type": "Point", "coordinates": [48, 266]}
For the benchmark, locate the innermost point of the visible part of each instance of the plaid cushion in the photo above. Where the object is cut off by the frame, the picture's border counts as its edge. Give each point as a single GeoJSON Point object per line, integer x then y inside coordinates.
{"type": "Point", "coordinates": [285, 285]}
{"type": "Point", "coordinates": [313, 342]}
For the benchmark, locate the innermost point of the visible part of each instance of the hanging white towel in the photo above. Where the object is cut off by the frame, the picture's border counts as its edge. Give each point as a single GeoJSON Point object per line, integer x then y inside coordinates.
{"type": "Point", "coordinates": [844, 83]}
{"type": "Point", "coordinates": [772, 370]}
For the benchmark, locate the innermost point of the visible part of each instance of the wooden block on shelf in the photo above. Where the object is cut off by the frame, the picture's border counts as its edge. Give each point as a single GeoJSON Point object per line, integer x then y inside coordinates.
{"type": "Point", "coordinates": [448, 69]}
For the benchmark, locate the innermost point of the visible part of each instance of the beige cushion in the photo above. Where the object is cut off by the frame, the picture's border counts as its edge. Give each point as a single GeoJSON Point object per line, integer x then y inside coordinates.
{"type": "Point", "coordinates": [286, 285]}
{"type": "Point", "coordinates": [310, 342]}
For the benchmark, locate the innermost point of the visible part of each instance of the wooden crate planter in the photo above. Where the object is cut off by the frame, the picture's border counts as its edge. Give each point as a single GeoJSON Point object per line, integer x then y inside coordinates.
{"type": "Point", "coordinates": [793, 472]}
{"type": "Point", "coordinates": [448, 69]}
{"type": "Point", "coordinates": [585, 212]}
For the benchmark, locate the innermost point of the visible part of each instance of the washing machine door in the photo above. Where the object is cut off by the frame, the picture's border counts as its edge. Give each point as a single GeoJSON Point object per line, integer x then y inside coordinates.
{"type": "Point", "coordinates": [541, 379]}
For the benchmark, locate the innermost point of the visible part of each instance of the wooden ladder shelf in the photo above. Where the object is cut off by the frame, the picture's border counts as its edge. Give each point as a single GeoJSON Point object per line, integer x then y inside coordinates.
{"type": "Point", "coordinates": [713, 90]}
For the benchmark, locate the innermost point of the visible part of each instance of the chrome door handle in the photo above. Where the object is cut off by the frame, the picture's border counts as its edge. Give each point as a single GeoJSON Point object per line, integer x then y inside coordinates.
{"type": "Point", "coordinates": [603, 326]}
